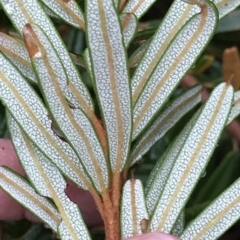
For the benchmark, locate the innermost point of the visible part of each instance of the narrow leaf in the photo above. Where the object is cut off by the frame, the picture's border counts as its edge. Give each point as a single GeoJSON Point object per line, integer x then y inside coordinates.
{"type": "Point", "coordinates": [138, 54]}
{"type": "Point", "coordinates": [226, 6]}
{"type": "Point", "coordinates": [178, 227]}
{"type": "Point", "coordinates": [22, 12]}
{"type": "Point", "coordinates": [88, 63]}
{"type": "Point", "coordinates": [217, 218]}
{"type": "Point", "coordinates": [111, 77]}
{"type": "Point", "coordinates": [129, 26]}
{"type": "Point", "coordinates": [175, 111]}
{"type": "Point", "coordinates": [235, 111]}
{"type": "Point", "coordinates": [75, 126]}
{"type": "Point", "coordinates": [161, 171]}
{"type": "Point", "coordinates": [21, 191]}
{"type": "Point", "coordinates": [67, 10]}
{"type": "Point", "coordinates": [29, 112]}
{"type": "Point", "coordinates": [72, 225]}
{"type": "Point", "coordinates": [138, 7]}
{"type": "Point", "coordinates": [133, 209]}
{"type": "Point", "coordinates": [177, 59]}
{"type": "Point", "coordinates": [193, 158]}
{"type": "Point", "coordinates": [27, 156]}
{"type": "Point", "coordinates": [17, 53]}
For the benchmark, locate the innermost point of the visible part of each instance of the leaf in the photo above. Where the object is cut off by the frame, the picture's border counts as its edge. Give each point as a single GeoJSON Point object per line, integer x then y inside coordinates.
{"type": "Point", "coordinates": [217, 218]}
{"type": "Point", "coordinates": [235, 111]}
{"type": "Point", "coordinates": [229, 23]}
{"type": "Point", "coordinates": [111, 77]}
{"type": "Point", "coordinates": [129, 26]}
{"type": "Point", "coordinates": [133, 209]}
{"type": "Point", "coordinates": [178, 227]}
{"type": "Point", "coordinates": [16, 52]}
{"type": "Point", "coordinates": [72, 225]}
{"type": "Point", "coordinates": [193, 158]}
{"type": "Point", "coordinates": [29, 112]}
{"type": "Point", "coordinates": [226, 6]}
{"type": "Point", "coordinates": [88, 63]}
{"type": "Point", "coordinates": [161, 171]}
{"type": "Point", "coordinates": [16, 186]}
{"type": "Point", "coordinates": [27, 156]}
{"type": "Point", "coordinates": [138, 54]}
{"type": "Point", "coordinates": [172, 114]}
{"type": "Point", "coordinates": [163, 75]}
{"type": "Point", "coordinates": [74, 124]}
{"type": "Point", "coordinates": [22, 12]}
{"type": "Point", "coordinates": [67, 10]}
{"type": "Point", "coordinates": [49, 182]}
{"type": "Point", "coordinates": [138, 7]}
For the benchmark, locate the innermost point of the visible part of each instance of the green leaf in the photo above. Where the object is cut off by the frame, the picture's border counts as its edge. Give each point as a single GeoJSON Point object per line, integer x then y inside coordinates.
{"type": "Point", "coordinates": [179, 225]}
{"type": "Point", "coordinates": [88, 63]}
{"type": "Point", "coordinates": [138, 54]}
{"type": "Point", "coordinates": [74, 124]}
{"type": "Point", "coordinates": [29, 112]}
{"type": "Point", "coordinates": [154, 81]}
{"type": "Point", "coordinates": [235, 111]}
{"type": "Point", "coordinates": [217, 218]}
{"type": "Point", "coordinates": [166, 120]}
{"type": "Point", "coordinates": [17, 53]}
{"type": "Point", "coordinates": [22, 12]}
{"type": "Point", "coordinates": [193, 158]}
{"type": "Point", "coordinates": [229, 23]}
{"type": "Point", "coordinates": [111, 77]}
{"type": "Point", "coordinates": [133, 209]}
{"type": "Point", "coordinates": [16, 186]}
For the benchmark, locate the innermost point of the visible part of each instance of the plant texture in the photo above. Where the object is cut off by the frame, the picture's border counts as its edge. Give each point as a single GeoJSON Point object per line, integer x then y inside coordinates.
{"type": "Point", "coordinates": [57, 132]}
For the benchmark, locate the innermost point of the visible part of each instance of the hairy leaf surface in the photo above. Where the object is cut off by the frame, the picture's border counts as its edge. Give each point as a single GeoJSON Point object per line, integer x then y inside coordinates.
{"type": "Point", "coordinates": [193, 158]}
{"type": "Point", "coordinates": [133, 209]}
{"type": "Point", "coordinates": [111, 77]}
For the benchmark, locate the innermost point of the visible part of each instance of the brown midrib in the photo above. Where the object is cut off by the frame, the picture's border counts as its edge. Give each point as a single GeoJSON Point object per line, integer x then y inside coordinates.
{"type": "Point", "coordinates": [43, 131]}
{"type": "Point", "coordinates": [113, 86]}
{"type": "Point", "coordinates": [158, 56]}
{"type": "Point", "coordinates": [167, 74]}
{"type": "Point", "coordinates": [166, 118]}
{"type": "Point", "coordinates": [190, 164]}
{"type": "Point", "coordinates": [35, 200]}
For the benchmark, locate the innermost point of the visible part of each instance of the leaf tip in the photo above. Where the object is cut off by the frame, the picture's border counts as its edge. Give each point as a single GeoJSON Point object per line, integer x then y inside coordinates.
{"type": "Point", "coordinates": [30, 43]}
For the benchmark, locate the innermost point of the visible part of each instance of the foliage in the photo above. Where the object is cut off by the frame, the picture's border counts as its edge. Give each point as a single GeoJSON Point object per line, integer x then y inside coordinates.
{"type": "Point", "coordinates": [95, 126]}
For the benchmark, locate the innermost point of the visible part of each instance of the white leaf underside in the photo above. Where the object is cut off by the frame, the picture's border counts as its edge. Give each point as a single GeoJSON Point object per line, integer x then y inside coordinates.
{"type": "Point", "coordinates": [75, 126]}
{"type": "Point", "coordinates": [68, 12]}
{"type": "Point", "coordinates": [111, 77]}
{"type": "Point", "coordinates": [22, 12]}
{"type": "Point", "coordinates": [160, 174]}
{"type": "Point", "coordinates": [22, 192]}
{"type": "Point", "coordinates": [33, 119]}
{"type": "Point", "coordinates": [193, 158]}
{"type": "Point", "coordinates": [217, 217]}
{"type": "Point", "coordinates": [129, 26]}
{"type": "Point", "coordinates": [235, 111]}
{"type": "Point", "coordinates": [138, 7]}
{"type": "Point", "coordinates": [133, 208]}
{"type": "Point", "coordinates": [16, 52]}
{"type": "Point", "coordinates": [149, 97]}
{"type": "Point", "coordinates": [179, 226]}
{"type": "Point", "coordinates": [173, 113]}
